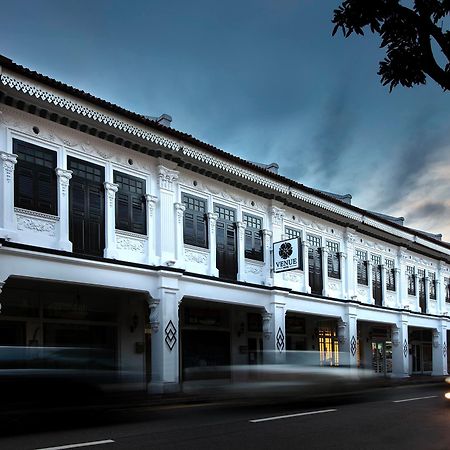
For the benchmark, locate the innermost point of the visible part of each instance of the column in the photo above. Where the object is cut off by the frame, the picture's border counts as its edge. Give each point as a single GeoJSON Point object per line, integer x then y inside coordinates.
{"type": "Point", "coordinates": [398, 287]}
{"type": "Point", "coordinates": [440, 350]}
{"type": "Point", "coordinates": [63, 177]}
{"type": "Point", "coordinates": [305, 258]}
{"type": "Point", "coordinates": [267, 242]}
{"type": "Point", "coordinates": [370, 282]}
{"type": "Point", "coordinates": [179, 243]}
{"type": "Point", "coordinates": [110, 219]}
{"type": "Point", "coordinates": [163, 317]}
{"type": "Point", "coordinates": [7, 224]}
{"type": "Point", "coordinates": [416, 285]}
{"type": "Point", "coordinates": [277, 227]}
{"type": "Point", "coordinates": [383, 284]}
{"type": "Point", "coordinates": [402, 286]}
{"type": "Point", "coordinates": [212, 219]}
{"type": "Point", "coordinates": [151, 201]}
{"type": "Point", "coordinates": [354, 276]}
{"type": "Point", "coordinates": [400, 347]}
{"type": "Point", "coordinates": [347, 331]}
{"type": "Point", "coordinates": [324, 253]}
{"type": "Point", "coordinates": [427, 293]}
{"type": "Point", "coordinates": [166, 222]}
{"type": "Point", "coordinates": [274, 331]}
{"type": "Point", "coordinates": [241, 250]}
{"type": "Point", "coordinates": [343, 269]}
{"type": "Point", "coordinates": [350, 280]}
{"type": "Point", "coordinates": [440, 288]}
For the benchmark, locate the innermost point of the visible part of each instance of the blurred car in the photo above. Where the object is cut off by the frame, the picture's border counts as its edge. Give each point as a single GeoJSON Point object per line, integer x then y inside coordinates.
{"type": "Point", "coordinates": [43, 378]}
{"type": "Point", "coordinates": [291, 374]}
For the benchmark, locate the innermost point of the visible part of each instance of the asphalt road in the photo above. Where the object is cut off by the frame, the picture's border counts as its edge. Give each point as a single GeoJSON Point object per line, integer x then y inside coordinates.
{"type": "Point", "coordinates": [408, 417]}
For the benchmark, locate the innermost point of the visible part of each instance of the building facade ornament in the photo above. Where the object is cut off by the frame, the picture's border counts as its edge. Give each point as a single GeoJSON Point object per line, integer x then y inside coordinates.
{"type": "Point", "coordinates": [277, 215]}
{"type": "Point", "coordinates": [266, 321]}
{"type": "Point", "coordinates": [8, 161]}
{"type": "Point", "coordinates": [111, 189]}
{"type": "Point", "coordinates": [153, 305]}
{"type": "Point", "coordinates": [64, 177]}
{"type": "Point", "coordinates": [341, 331]}
{"type": "Point", "coordinates": [179, 210]}
{"type": "Point", "coordinates": [167, 177]}
{"type": "Point", "coordinates": [151, 201]}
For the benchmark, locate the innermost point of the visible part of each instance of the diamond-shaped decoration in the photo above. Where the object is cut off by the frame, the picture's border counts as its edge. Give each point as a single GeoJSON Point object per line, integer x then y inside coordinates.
{"type": "Point", "coordinates": [280, 339]}
{"type": "Point", "coordinates": [171, 335]}
{"type": "Point", "coordinates": [405, 348]}
{"type": "Point", "coordinates": [353, 345]}
{"type": "Point", "coordinates": [445, 349]}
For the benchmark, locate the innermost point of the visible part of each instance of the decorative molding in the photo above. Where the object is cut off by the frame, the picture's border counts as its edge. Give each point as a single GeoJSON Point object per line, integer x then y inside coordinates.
{"type": "Point", "coordinates": [196, 256]}
{"type": "Point", "coordinates": [436, 336]}
{"type": "Point", "coordinates": [280, 340]}
{"type": "Point", "coordinates": [171, 335]}
{"type": "Point", "coordinates": [292, 276]}
{"type": "Point", "coordinates": [40, 215]}
{"type": "Point", "coordinates": [341, 331]}
{"type": "Point", "coordinates": [267, 237]}
{"type": "Point", "coordinates": [277, 215]}
{"type": "Point", "coordinates": [266, 319]}
{"type": "Point", "coordinates": [179, 211]}
{"type": "Point", "coordinates": [35, 224]}
{"type": "Point", "coordinates": [8, 161]}
{"type": "Point", "coordinates": [131, 234]}
{"type": "Point", "coordinates": [395, 335]}
{"type": "Point", "coordinates": [130, 244]}
{"type": "Point", "coordinates": [167, 177]}
{"type": "Point", "coordinates": [151, 201]}
{"type": "Point", "coordinates": [64, 177]}
{"type": "Point", "coordinates": [241, 230]}
{"type": "Point", "coordinates": [253, 268]}
{"type": "Point", "coordinates": [111, 189]}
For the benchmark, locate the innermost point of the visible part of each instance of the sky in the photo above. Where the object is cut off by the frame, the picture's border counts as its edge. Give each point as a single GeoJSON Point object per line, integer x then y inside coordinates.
{"type": "Point", "coordinates": [262, 79]}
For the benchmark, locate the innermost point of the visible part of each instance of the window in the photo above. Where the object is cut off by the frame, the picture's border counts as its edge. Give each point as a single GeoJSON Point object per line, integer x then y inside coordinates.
{"type": "Point", "coordinates": [35, 178]}
{"type": "Point", "coordinates": [421, 278]}
{"type": "Point", "coordinates": [334, 269]}
{"type": "Point", "coordinates": [292, 233]}
{"type": "Point", "coordinates": [130, 203]}
{"type": "Point", "coordinates": [361, 268]}
{"type": "Point", "coordinates": [432, 280]}
{"type": "Point", "coordinates": [390, 274]}
{"type": "Point", "coordinates": [195, 224]}
{"type": "Point", "coordinates": [410, 272]}
{"type": "Point", "coordinates": [447, 289]}
{"type": "Point", "coordinates": [253, 238]}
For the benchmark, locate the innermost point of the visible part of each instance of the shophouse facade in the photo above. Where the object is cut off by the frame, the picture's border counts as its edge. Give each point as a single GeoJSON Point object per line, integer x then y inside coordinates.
{"type": "Point", "coordinates": [121, 233]}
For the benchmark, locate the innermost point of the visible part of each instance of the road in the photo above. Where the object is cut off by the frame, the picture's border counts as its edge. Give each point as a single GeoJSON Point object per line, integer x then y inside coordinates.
{"type": "Point", "coordinates": [407, 417]}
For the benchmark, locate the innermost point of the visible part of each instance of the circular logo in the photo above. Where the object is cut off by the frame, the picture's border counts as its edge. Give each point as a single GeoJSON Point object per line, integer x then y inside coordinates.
{"type": "Point", "coordinates": [285, 250]}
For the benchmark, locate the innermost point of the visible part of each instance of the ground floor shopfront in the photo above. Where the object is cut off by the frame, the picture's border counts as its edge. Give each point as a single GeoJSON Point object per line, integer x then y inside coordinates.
{"type": "Point", "coordinates": [164, 325]}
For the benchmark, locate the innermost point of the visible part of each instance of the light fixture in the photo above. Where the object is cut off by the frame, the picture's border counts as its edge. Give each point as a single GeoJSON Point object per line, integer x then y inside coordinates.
{"type": "Point", "coordinates": [134, 322]}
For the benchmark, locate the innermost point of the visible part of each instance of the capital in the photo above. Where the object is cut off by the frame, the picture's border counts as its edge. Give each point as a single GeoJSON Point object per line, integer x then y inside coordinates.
{"type": "Point", "coordinates": [8, 161]}
{"type": "Point", "coordinates": [153, 305]}
{"type": "Point", "coordinates": [180, 208]}
{"type": "Point", "coordinates": [167, 177]}
{"type": "Point", "coordinates": [277, 215]}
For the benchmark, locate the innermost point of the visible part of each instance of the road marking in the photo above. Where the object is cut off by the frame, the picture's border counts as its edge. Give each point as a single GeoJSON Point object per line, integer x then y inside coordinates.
{"type": "Point", "coordinates": [288, 416]}
{"type": "Point", "coordinates": [83, 444]}
{"type": "Point", "coordinates": [415, 398]}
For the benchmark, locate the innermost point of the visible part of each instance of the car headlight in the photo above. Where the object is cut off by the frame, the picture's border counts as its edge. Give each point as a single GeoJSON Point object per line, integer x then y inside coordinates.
{"type": "Point", "coordinates": [447, 395]}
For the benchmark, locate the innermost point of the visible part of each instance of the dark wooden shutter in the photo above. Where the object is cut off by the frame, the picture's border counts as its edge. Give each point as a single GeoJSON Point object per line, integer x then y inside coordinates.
{"type": "Point", "coordinates": [24, 187]}
{"type": "Point", "coordinates": [376, 284]}
{"type": "Point", "coordinates": [226, 245]}
{"type": "Point", "coordinates": [195, 231]}
{"type": "Point", "coordinates": [315, 270]}
{"type": "Point", "coordinates": [138, 219]}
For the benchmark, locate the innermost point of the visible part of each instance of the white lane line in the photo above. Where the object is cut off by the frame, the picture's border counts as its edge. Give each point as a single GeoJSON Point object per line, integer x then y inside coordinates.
{"type": "Point", "coordinates": [412, 399]}
{"type": "Point", "coordinates": [288, 416]}
{"type": "Point", "coordinates": [83, 444]}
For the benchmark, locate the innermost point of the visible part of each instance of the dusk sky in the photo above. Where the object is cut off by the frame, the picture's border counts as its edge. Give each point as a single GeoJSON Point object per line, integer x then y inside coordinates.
{"type": "Point", "coordinates": [264, 80]}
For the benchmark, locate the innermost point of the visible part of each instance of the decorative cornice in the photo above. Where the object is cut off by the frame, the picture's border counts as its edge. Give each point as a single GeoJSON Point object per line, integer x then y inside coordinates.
{"type": "Point", "coordinates": [167, 177]}
{"type": "Point", "coordinates": [29, 212]}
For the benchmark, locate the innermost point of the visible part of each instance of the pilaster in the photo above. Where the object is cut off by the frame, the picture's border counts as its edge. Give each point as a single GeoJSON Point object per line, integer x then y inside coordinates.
{"type": "Point", "coordinates": [305, 258]}
{"type": "Point", "coordinates": [212, 219]}
{"type": "Point", "coordinates": [371, 300]}
{"type": "Point", "coordinates": [398, 287]}
{"type": "Point", "coordinates": [7, 224]}
{"type": "Point", "coordinates": [166, 221]}
{"type": "Point", "coordinates": [439, 357]}
{"type": "Point", "coordinates": [179, 247]}
{"type": "Point", "coordinates": [400, 348]}
{"type": "Point", "coordinates": [350, 280]}
{"type": "Point", "coordinates": [402, 286]}
{"type": "Point", "coordinates": [347, 331]}
{"type": "Point", "coordinates": [151, 201]}
{"type": "Point", "coordinates": [277, 226]}
{"type": "Point", "coordinates": [324, 253]}
{"type": "Point", "coordinates": [344, 274]}
{"type": "Point", "coordinates": [383, 284]}
{"type": "Point", "coordinates": [267, 242]}
{"type": "Point", "coordinates": [274, 332]}
{"type": "Point", "coordinates": [241, 250]}
{"type": "Point", "coordinates": [110, 219]}
{"type": "Point", "coordinates": [427, 293]}
{"type": "Point", "coordinates": [63, 177]}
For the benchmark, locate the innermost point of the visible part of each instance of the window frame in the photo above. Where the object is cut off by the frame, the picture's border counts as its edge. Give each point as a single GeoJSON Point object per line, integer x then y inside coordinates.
{"type": "Point", "coordinates": [295, 233]}
{"type": "Point", "coordinates": [198, 217]}
{"type": "Point", "coordinates": [333, 248]}
{"type": "Point", "coordinates": [130, 205]}
{"type": "Point", "coordinates": [253, 234]}
{"type": "Point", "coordinates": [411, 278]}
{"type": "Point", "coordinates": [389, 265]}
{"type": "Point", "coordinates": [362, 264]}
{"type": "Point", "coordinates": [36, 172]}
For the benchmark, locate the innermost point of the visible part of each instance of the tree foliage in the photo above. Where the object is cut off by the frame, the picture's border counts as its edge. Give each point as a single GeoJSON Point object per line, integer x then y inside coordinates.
{"type": "Point", "coordinates": [411, 31]}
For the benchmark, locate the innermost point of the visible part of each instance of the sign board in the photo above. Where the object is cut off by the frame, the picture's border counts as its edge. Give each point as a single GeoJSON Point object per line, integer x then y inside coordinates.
{"type": "Point", "coordinates": [286, 255]}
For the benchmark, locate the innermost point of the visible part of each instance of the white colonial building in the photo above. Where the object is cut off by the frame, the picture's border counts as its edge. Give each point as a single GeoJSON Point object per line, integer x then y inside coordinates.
{"type": "Point", "coordinates": [121, 233]}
